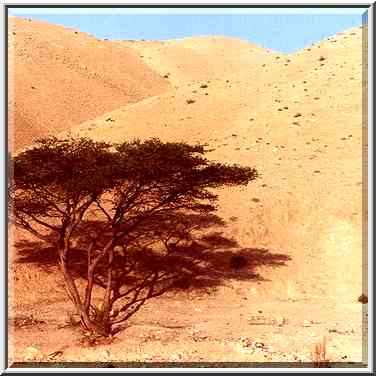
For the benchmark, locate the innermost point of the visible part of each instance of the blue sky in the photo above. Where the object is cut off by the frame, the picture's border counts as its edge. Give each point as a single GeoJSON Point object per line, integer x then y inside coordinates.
{"type": "Point", "coordinates": [285, 29]}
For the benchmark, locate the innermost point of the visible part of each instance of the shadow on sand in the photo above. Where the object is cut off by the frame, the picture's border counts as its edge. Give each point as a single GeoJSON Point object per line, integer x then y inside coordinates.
{"type": "Point", "coordinates": [198, 255]}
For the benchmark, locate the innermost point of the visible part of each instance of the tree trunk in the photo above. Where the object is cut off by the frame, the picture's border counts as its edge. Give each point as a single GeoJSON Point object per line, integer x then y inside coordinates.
{"type": "Point", "coordinates": [107, 301]}
{"type": "Point", "coordinates": [76, 300]}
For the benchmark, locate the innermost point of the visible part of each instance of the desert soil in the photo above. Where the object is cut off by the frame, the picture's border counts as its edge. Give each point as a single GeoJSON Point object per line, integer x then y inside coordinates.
{"type": "Point", "coordinates": [297, 118]}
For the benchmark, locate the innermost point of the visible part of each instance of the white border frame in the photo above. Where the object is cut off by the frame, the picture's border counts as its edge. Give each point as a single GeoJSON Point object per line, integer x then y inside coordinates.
{"type": "Point", "coordinates": [4, 267]}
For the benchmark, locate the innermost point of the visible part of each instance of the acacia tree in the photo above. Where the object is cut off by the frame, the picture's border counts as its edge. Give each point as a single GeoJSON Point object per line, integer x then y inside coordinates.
{"type": "Point", "coordinates": [123, 215]}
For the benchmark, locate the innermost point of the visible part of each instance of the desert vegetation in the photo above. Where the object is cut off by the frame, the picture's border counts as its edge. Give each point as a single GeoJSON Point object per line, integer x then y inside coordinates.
{"type": "Point", "coordinates": [122, 216]}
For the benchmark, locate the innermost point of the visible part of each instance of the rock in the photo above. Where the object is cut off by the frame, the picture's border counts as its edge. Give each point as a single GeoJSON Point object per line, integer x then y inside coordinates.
{"type": "Point", "coordinates": [280, 321]}
{"type": "Point", "coordinates": [247, 342]}
{"type": "Point", "coordinates": [105, 354]}
{"type": "Point", "coordinates": [197, 336]}
{"type": "Point", "coordinates": [307, 323]}
{"type": "Point", "coordinates": [363, 299]}
{"type": "Point", "coordinates": [32, 353]}
{"type": "Point", "coordinates": [54, 355]}
{"type": "Point", "coordinates": [147, 356]}
{"type": "Point", "coordinates": [259, 345]}
{"type": "Point", "coordinates": [176, 356]}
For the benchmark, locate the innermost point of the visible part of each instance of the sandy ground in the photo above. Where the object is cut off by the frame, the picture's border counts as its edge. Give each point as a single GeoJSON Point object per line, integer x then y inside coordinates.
{"type": "Point", "coordinates": [298, 119]}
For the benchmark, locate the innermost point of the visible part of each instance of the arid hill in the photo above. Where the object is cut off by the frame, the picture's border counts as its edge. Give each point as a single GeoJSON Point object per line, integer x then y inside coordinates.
{"type": "Point", "coordinates": [196, 59]}
{"type": "Point", "coordinates": [298, 119]}
{"type": "Point", "coordinates": [60, 77]}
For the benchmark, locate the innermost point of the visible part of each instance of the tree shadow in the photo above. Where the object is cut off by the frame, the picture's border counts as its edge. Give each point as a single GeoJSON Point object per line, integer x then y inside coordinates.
{"type": "Point", "coordinates": [167, 253]}
{"type": "Point", "coordinates": [184, 251]}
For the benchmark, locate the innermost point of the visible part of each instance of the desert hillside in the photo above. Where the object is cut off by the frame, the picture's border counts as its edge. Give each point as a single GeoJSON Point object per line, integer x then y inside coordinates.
{"type": "Point", "coordinates": [195, 59]}
{"type": "Point", "coordinates": [299, 121]}
{"type": "Point", "coordinates": [60, 77]}
{"type": "Point", "coordinates": [297, 118]}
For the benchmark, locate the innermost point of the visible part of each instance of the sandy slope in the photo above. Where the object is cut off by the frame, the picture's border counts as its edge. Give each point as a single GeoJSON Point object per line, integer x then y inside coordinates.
{"type": "Point", "coordinates": [298, 119]}
{"type": "Point", "coordinates": [300, 124]}
{"type": "Point", "coordinates": [59, 77]}
{"type": "Point", "coordinates": [198, 59]}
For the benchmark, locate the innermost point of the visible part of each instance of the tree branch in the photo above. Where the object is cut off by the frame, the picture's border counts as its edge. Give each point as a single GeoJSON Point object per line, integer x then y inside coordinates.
{"type": "Point", "coordinates": [45, 224]}
{"type": "Point", "coordinates": [24, 224]}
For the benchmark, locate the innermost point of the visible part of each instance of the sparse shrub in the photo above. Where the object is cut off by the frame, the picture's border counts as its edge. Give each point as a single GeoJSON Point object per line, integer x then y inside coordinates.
{"type": "Point", "coordinates": [190, 101]}
{"type": "Point", "coordinates": [203, 86]}
{"type": "Point", "coordinates": [320, 358]}
{"type": "Point", "coordinates": [238, 262]}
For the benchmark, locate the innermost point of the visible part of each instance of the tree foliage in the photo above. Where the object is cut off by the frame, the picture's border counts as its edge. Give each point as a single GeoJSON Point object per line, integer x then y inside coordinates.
{"type": "Point", "coordinates": [123, 214]}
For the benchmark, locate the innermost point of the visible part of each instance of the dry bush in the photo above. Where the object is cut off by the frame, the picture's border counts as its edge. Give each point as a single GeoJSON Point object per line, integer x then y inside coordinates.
{"type": "Point", "coordinates": [320, 358]}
